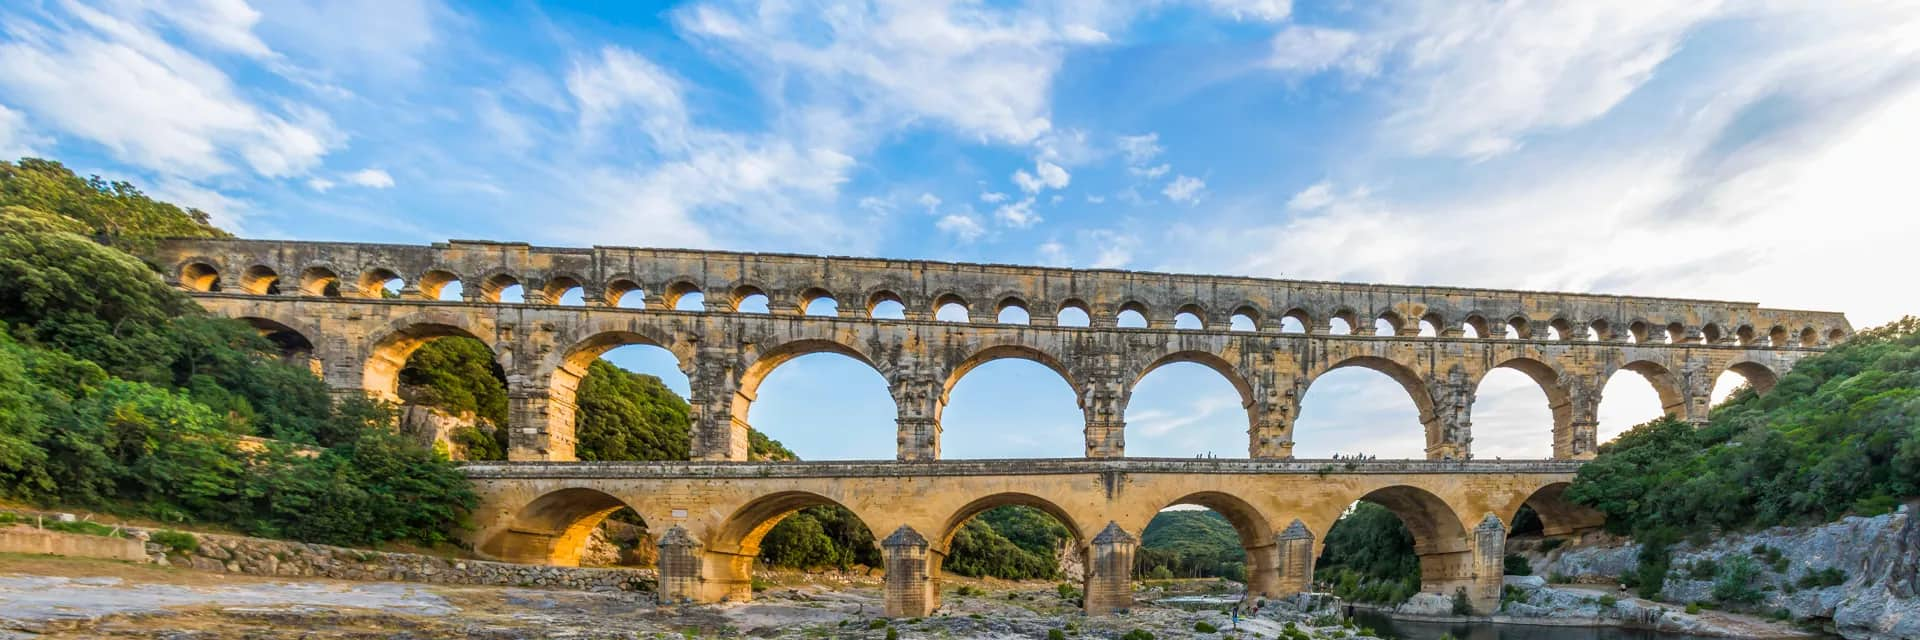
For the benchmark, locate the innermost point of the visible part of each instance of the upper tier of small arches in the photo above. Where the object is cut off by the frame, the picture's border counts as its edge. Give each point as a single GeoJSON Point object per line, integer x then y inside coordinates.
{"type": "Point", "coordinates": [786, 285]}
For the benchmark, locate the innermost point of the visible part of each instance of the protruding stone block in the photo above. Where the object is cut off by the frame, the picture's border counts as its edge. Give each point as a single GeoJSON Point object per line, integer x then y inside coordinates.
{"type": "Point", "coordinates": [1110, 571]}
{"type": "Point", "coordinates": [679, 564]}
{"type": "Point", "coordinates": [1489, 564]}
{"type": "Point", "coordinates": [911, 590]}
{"type": "Point", "coordinates": [1295, 551]}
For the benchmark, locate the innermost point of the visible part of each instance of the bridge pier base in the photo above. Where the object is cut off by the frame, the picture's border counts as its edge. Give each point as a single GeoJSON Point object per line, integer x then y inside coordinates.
{"type": "Point", "coordinates": [911, 591]}
{"type": "Point", "coordinates": [679, 567]}
{"type": "Point", "coordinates": [1263, 578]}
{"type": "Point", "coordinates": [1489, 565]}
{"type": "Point", "coordinates": [1294, 556]}
{"type": "Point", "coordinates": [1110, 571]}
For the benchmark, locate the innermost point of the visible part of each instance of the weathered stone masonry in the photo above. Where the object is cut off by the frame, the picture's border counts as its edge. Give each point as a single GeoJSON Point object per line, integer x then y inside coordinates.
{"type": "Point", "coordinates": [327, 302]}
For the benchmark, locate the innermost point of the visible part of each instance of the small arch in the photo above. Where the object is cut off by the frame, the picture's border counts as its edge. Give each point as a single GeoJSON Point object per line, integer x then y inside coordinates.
{"type": "Point", "coordinates": [886, 305]}
{"type": "Point", "coordinates": [951, 307]}
{"type": "Point", "coordinates": [1744, 336]}
{"type": "Point", "coordinates": [1638, 332]}
{"type": "Point", "coordinates": [499, 287]}
{"type": "Point", "coordinates": [200, 276]}
{"type": "Point", "coordinates": [1777, 336]}
{"type": "Point", "coordinates": [1133, 315]}
{"type": "Point", "coordinates": [1430, 325]}
{"type": "Point", "coordinates": [684, 295]}
{"type": "Point", "coordinates": [1560, 330]}
{"type": "Point", "coordinates": [260, 280]}
{"type": "Point", "coordinates": [1711, 333]}
{"type": "Point", "coordinates": [1388, 323]}
{"type": "Point", "coordinates": [1809, 337]}
{"type": "Point", "coordinates": [1836, 336]}
{"type": "Point", "coordinates": [1295, 321]}
{"type": "Point", "coordinates": [381, 282]}
{"type": "Point", "coordinates": [1244, 318]}
{"type": "Point", "coordinates": [747, 298]}
{"type": "Point", "coordinates": [1519, 328]}
{"type": "Point", "coordinates": [1074, 313]}
{"type": "Point", "coordinates": [1012, 310]}
{"type": "Point", "coordinates": [439, 284]}
{"type": "Point", "coordinates": [1676, 333]}
{"type": "Point", "coordinates": [319, 282]}
{"type": "Point", "coordinates": [1558, 515]}
{"type": "Point", "coordinates": [1599, 330]}
{"type": "Point", "coordinates": [1343, 322]}
{"type": "Point", "coordinates": [1475, 326]}
{"type": "Point", "coordinates": [1189, 317]}
{"type": "Point", "coordinates": [564, 290]}
{"type": "Point", "coordinates": [819, 302]}
{"type": "Point", "coordinates": [625, 293]}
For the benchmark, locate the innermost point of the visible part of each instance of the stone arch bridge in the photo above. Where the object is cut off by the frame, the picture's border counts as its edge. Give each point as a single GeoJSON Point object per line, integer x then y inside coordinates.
{"type": "Point", "coordinates": [359, 310]}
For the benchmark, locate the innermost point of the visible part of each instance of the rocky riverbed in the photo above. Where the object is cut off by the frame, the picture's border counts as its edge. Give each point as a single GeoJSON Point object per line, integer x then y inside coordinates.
{"type": "Point", "coordinates": [43, 597]}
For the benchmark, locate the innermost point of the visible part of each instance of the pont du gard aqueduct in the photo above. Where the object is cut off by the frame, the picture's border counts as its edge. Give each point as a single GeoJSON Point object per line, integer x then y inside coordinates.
{"type": "Point", "coordinates": [334, 304]}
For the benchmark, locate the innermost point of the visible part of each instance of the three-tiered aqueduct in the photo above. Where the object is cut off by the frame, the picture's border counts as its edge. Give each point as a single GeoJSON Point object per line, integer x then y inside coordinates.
{"type": "Point", "coordinates": [332, 302]}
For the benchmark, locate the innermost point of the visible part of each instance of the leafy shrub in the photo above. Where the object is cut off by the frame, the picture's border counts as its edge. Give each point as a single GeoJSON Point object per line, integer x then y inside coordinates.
{"type": "Point", "coordinates": [876, 623]}
{"type": "Point", "coordinates": [1138, 634]}
{"type": "Point", "coordinates": [893, 634]}
{"type": "Point", "coordinates": [1609, 601]}
{"type": "Point", "coordinates": [1517, 565]}
{"type": "Point", "coordinates": [1702, 569]}
{"type": "Point", "coordinates": [1825, 577]}
{"type": "Point", "coordinates": [1461, 605]}
{"type": "Point", "coordinates": [1734, 584]}
{"type": "Point", "coordinates": [1693, 608]}
{"type": "Point", "coordinates": [82, 527]}
{"type": "Point", "coordinates": [176, 541]}
{"type": "Point", "coordinates": [1056, 634]}
{"type": "Point", "coordinates": [1203, 626]}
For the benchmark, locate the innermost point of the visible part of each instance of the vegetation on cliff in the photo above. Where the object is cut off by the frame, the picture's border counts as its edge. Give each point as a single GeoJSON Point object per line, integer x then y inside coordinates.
{"type": "Point", "coordinates": [1839, 434]}
{"type": "Point", "coordinates": [1190, 544]}
{"type": "Point", "coordinates": [1369, 557]}
{"type": "Point", "coordinates": [117, 392]}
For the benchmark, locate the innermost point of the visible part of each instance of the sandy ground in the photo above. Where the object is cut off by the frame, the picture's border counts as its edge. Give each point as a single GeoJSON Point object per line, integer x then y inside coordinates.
{"type": "Point", "coordinates": [44, 597]}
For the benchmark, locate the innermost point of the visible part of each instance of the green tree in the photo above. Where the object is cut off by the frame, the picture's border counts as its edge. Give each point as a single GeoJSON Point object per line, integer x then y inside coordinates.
{"type": "Point", "coordinates": [115, 209]}
{"type": "Point", "coordinates": [624, 415]}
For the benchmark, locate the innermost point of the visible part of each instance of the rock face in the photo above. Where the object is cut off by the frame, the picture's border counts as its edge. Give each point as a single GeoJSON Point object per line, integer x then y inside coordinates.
{"type": "Point", "coordinates": [262, 557]}
{"type": "Point", "coordinates": [1878, 599]}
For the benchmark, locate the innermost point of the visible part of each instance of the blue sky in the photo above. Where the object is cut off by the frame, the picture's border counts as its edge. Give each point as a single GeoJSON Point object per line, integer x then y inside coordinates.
{"type": "Point", "coordinates": [1756, 151]}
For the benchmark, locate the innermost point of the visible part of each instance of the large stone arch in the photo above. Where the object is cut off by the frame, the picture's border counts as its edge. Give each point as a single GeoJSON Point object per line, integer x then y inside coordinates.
{"type": "Point", "coordinates": [552, 528]}
{"type": "Point", "coordinates": [1759, 376]}
{"type": "Point", "coordinates": [293, 336]}
{"type": "Point", "coordinates": [1256, 532]}
{"type": "Point", "coordinates": [1406, 374]}
{"type": "Point", "coordinates": [1558, 515]}
{"type": "Point", "coordinates": [762, 363]}
{"type": "Point", "coordinates": [547, 401]}
{"type": "Point", "coordinates": [1081, 530]}
{"type": "Point", "coordinates": [1233, 375]}
{"type": "Point", "coordinates": [1666, 383]}
{"type": "Point", "coordinates": [734, 545]}
{"type": "Point", "coordinates": [386, 355]}
{"type": "Point", "coordinates": [1548, 376]}
{"type": "Point", "coordinates": [1002, 351]}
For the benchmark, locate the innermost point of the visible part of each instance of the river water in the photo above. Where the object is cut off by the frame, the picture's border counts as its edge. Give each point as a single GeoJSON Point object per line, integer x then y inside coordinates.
{"type": "Point", "coordinates": [1403, 630]}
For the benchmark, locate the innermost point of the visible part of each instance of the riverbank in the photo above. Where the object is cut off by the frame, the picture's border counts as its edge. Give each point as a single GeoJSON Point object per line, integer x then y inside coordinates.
{"type": "Point", "coordinates": [1530, 602]}
{"type": "Point", "coordinates": [1858, 577]}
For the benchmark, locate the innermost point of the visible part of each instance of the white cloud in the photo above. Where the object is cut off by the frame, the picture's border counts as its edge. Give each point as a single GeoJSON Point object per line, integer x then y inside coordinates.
{"type": "Point", "coordinates": [371, 179]}
{"type": "Point", "coordinates": [963, 226]}
{"type": "Point", "coordinates": [993, 197]}
{"type": "Point", "coordinates": [227, 24]}
{"type": "Point", "coordinates": [116, 83]}
{"type": "Point", "coordinates": [1312, 198]}
{"type": "Point", "coordinates": [1096, 199]}
{"type": "Point", "coordinates": [620, 87]}
{"type": "Point", "coordinates": [1150, 173]}
{"type": "Point", "coordinates": [984, 70]}
{"type": "Point", "coordinates": [1474, 79]}
{"type": "Point", "coordinates": [17, 140]}
{"type": "Point", "coordinates": [1046, 175]}
{"type": "Point", "coordinates": [1112, 249]}
{"type": "Point", "coordinates": [1267, 10]}
{"type": "Point", "coordinates": [320, 184]}
{"type": "Point", "coordinates": [1314, 49]}
{"type": "Point", "coordinates": [1018, 215]}
{"type": "Point", "coordinates": [928, 201]}
{"type": "Point", "coordinates": [1053, 254]}
{"type": "Point", "coordinates": [1185, 189]}
{"type": "Point", "coordinates": [1141, 148]}
{"type": "Point", "coordinates": [225, 211]}
{"type": "Point", "coordinates": [382, 38]}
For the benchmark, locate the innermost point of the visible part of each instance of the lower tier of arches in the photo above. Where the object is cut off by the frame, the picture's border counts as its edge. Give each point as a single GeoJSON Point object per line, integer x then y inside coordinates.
{"type": "Point", "coordinates": [711, 517]}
